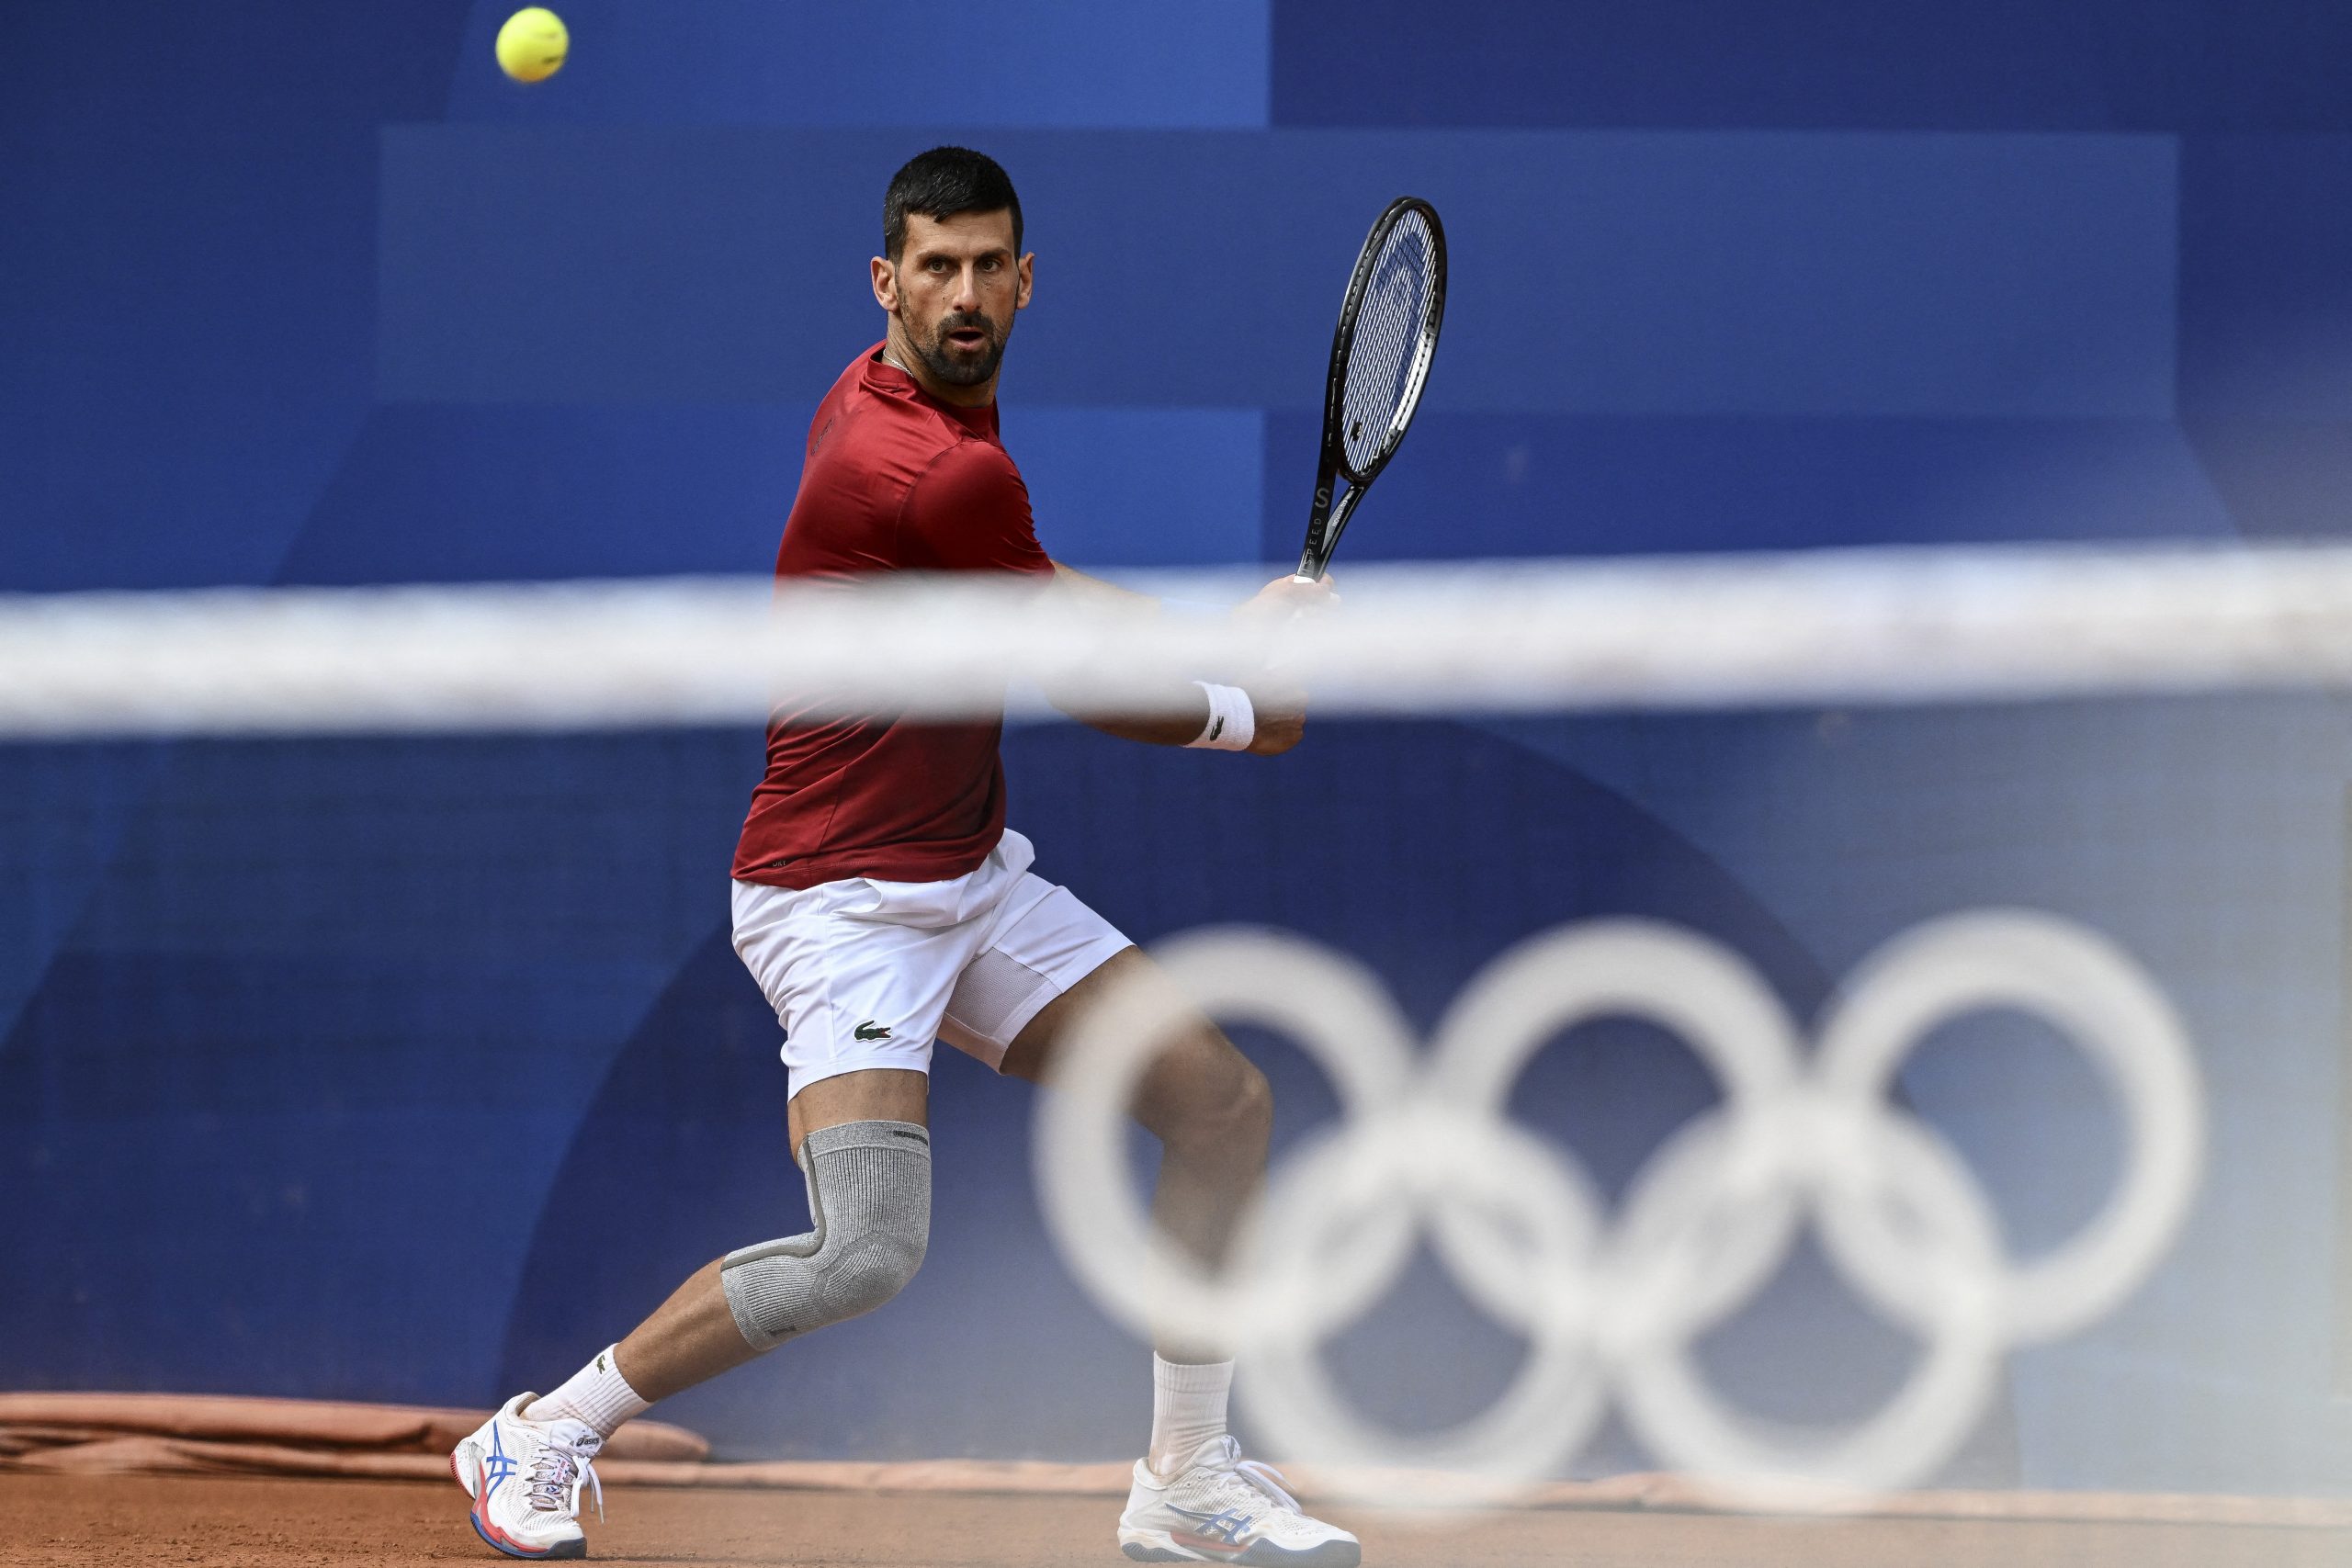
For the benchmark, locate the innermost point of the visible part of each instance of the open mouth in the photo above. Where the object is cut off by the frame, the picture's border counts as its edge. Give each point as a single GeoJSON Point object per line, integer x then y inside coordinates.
{"type": "Point", "coordinates": [971, 340]}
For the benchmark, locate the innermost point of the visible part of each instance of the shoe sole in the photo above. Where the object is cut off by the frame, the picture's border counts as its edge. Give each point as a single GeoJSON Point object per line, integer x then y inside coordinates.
{"type": "Point", "coordinates": [1149, 1546]}
{"type": "Point", "coordinates": [562, 1549]}
{"type": "Point", "coordinates": [566, 1548]}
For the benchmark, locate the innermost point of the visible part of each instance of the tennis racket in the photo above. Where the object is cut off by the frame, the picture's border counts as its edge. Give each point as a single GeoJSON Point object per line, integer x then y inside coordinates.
{"type": "Point", "coordinates": [1380, 362]}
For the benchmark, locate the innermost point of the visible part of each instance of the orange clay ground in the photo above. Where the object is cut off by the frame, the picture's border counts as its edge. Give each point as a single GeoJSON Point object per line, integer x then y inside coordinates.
{"type": "Point", "coordinates": [269, 1522]}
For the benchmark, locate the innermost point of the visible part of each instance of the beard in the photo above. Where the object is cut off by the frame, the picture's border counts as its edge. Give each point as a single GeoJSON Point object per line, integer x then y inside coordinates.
{"type": "Point", "coordinates": [956, 366]}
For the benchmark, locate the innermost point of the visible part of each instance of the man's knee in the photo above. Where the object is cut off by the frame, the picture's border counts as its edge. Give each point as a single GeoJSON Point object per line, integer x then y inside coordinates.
{"type": "Point", "coordinates": [873, 1268]}
{"type": "Point", "coordinates": [1206, 1091]}
{"type": "Point", "coordinates": [1251, 1101]}
{"type": "Point", "coordinates": [869, 1191]}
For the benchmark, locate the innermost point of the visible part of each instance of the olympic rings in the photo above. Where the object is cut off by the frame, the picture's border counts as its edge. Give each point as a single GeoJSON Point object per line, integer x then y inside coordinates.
{"type": "Point", "coordinates": [1425, 1145]}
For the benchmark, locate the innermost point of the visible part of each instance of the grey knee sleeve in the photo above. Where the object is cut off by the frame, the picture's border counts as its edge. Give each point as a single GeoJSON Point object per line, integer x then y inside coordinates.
{"type": "Point", "coordinates": [869, 1193]}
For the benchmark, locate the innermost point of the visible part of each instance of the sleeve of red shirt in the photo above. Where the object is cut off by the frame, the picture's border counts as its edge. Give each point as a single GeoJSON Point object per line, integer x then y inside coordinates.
{"type": "Point", "coordinates": [969, 512]}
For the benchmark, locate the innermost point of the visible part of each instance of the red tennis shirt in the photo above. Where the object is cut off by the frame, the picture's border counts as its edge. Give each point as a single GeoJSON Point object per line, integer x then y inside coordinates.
{"type": "Point", "coordinates": [894, 481]}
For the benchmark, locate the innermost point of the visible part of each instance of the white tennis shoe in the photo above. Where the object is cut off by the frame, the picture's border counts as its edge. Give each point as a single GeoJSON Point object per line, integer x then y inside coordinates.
{"type": "Point", "coordinates": [524, 1478]}
{"type": "Point", "coordinates": [1223, 1508]}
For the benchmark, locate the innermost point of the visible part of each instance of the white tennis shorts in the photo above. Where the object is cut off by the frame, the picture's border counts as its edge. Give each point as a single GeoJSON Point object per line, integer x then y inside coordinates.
{"type": "Point", "coordinates": [863, 972]}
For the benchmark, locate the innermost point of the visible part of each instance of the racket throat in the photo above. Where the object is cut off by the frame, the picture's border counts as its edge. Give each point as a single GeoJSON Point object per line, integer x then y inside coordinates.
{"type": "Point", "coordinates": [1323, 530]}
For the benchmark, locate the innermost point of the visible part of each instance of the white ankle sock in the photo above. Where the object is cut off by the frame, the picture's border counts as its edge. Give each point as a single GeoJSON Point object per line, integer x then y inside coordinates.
{"type": "Point", "coordinates": [596, 1393]}
{"type": "Point", "coordinates": [1187, 1410]}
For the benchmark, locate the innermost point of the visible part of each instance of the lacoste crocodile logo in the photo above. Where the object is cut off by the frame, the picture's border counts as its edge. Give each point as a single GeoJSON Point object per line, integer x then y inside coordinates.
{"type": "Point", "coordinates": [869, 1029]}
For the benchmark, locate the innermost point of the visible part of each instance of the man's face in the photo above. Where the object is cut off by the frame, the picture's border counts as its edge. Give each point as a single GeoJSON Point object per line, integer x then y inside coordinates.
{"type": "Point", "coordinates": [953, 289]}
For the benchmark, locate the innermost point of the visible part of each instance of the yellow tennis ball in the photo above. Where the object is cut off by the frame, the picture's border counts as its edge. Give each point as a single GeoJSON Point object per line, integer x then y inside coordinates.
{"type": "Point", "coordinates": [532, 44]}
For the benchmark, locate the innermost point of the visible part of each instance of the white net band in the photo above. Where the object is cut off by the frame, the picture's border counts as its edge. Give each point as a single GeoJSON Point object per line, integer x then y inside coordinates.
{"type": "Point", "coordinates": [1887, 626]}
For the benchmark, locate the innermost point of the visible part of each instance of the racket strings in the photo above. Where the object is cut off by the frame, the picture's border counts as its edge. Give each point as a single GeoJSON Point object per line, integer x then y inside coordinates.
{"type": "Point", "coordinates": [1382, 379]}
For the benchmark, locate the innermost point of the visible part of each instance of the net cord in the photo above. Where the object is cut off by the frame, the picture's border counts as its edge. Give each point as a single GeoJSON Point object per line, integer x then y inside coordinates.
{"type": "Point", "coordinates": [1894, 625]}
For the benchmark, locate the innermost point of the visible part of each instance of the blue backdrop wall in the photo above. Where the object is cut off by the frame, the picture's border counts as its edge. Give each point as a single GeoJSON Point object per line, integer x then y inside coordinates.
{"type": "Point", "coordinates": [418, 1070]}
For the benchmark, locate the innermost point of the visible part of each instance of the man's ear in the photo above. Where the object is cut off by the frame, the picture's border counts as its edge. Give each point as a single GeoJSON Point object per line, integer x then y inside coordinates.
{"type": "Point", "coordinates": [1027, 269]}
{"type": "Point", "coordinates": [886, 284]}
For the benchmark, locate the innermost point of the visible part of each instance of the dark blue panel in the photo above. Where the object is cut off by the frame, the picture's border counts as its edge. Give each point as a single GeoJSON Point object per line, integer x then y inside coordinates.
{"type": "Point", "coordinates": [1075, 62]}
{"type": "Point", "coordinates": [1827, 64]}
{"type": "Point", "coordinates": [1463, 487]}
{"type": "Point", "coordinates": [1770, 274]}
{"type": "Point", "coordinates": [336, 991]}
{"type": "Point", "coordinates": [62, 813]}
{"type": "Point", "coordinates": [441, 494]}
{"type": "Point", "coordinates": [2265, 277]}
{"type": "Point", "coordinates": [202, 1137]}
{"type": "Point", "coordinates": [186, 223]}
{"type": "Point", "coordinates": [204, 1251]}
{"type": "Point", "coordinates": [563, 847]}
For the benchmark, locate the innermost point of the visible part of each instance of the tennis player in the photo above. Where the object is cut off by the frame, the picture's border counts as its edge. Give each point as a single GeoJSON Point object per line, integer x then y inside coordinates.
{"type": "Point", "coordinates": [882, 903]}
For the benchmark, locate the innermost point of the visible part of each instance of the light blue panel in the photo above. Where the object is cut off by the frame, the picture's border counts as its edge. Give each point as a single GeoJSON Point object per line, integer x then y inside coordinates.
{"type": "Point", "coordinates": [1059, 63]}
{"type": "Point", "coordinates": [2206, 836]}
{"type": "Point", "coordinates": [1156, 487]}
{"type": "Point", "coordinates": [1915, 276]}
{"type": "Point", "coordinates": [452, 493]}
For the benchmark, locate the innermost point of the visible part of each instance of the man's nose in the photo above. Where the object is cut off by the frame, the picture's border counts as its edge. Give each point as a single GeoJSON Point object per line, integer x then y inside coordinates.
{"type": "Point", "coordinates": [967, 287]}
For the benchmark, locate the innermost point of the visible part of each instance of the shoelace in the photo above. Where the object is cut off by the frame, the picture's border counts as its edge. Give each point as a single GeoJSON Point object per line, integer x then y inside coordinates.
{"type": "Point", "coordinates": [557, 1477]}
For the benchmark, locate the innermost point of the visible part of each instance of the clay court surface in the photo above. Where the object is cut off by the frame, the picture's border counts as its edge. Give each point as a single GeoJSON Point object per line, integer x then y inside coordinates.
{"type": "Point", "coordinates": [260, 1523]}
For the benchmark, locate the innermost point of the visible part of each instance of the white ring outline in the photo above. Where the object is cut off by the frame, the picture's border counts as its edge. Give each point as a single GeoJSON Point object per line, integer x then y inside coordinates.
{"type": "Point", "coordinates": [1707, 1220]}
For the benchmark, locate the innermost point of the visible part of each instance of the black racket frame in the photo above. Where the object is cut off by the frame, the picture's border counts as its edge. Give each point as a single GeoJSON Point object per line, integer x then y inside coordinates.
{"type": "Point", "coordinates": [1328, 517]}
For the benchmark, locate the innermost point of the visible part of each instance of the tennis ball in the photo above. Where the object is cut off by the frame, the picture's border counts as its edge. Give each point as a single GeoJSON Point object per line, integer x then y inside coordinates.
{"type": "Point", "coordinates": [532, 44]}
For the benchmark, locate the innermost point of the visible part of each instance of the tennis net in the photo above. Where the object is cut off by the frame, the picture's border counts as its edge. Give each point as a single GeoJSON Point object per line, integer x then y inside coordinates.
{"type": "Point", "coordinates": [313, 896]}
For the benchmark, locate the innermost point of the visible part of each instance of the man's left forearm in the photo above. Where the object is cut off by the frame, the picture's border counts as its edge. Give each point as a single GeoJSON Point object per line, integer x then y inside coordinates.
{"type": "Point", "coordinates": [1188, 710]}
{"type": "Point", "coordinates": [1280, 718]}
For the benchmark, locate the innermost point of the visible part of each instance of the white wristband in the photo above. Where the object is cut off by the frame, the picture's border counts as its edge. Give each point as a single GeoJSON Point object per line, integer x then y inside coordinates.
{"type": "Point", "coordinates": [1233, 723]}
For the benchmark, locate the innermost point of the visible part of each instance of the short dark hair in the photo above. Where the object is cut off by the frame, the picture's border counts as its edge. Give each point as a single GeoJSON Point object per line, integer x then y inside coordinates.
{"type": "Point", "coordinates": [943, 183]}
